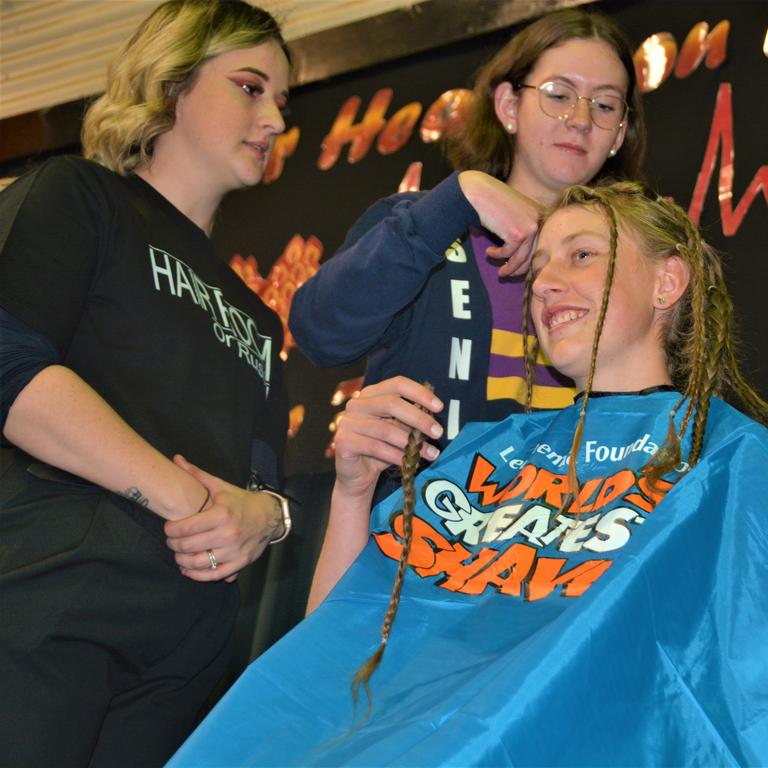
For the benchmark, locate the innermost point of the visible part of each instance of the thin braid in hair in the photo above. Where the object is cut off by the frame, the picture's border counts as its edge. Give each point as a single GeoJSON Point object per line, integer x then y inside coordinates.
{"type": "Point", "coordinates": [669, 454]}
{"type": "Point", "coordinates": [410, 467]}
{"type": "Point", "coordinates": [708, 345]}
{"type": "Point", "coordinates": [701, 339]}
{"type": "Point", "coordinates": [717, 332]}
{"type": "Point", "coordinates": [720, 369]}
{"type": "Point", "coordinates": [573, 481]}
{"type": "Point", "coordinates": [530, 343]}
{"type": "Point", "coordinates": [702, 344]}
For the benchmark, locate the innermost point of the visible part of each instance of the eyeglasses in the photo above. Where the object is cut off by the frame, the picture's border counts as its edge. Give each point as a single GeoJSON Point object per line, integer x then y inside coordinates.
{"type": "Point", "coordinates": [559, 100]}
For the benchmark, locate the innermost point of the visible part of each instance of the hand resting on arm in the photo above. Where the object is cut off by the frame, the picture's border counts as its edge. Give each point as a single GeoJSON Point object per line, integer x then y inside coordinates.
{"type": "Point", "coordinates": [58, 418]}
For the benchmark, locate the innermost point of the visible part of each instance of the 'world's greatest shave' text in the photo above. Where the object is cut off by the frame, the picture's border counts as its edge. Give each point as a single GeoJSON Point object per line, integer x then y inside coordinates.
{"type": "Point", "coordinates": [501, 548]}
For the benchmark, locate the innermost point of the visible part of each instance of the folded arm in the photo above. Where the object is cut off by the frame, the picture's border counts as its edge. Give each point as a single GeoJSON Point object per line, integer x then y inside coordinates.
{"type": "Point", "coordinates": [58, 418]}
{"type": "Point", "coordinates": [52, 414]}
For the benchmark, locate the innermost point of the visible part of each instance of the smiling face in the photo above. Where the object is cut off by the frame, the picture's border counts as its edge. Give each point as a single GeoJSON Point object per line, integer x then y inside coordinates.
{"type": "Point", "coordinates": [553, 153]}
{"type": "Point", "coordinates": [570, 267]}
{"type": "Point", "coordinates": [226, 122]}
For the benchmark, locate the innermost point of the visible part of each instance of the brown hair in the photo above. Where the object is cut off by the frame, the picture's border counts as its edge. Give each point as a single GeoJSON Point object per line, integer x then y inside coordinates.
{"type": "Point", "coordinates": [410, 467]}
{"type": "Point", "coordinates": [698, 335]}
{"type": "Point", "coordinates": [482, 144]}
{"type": "Point", "coordinates": [157, 64]}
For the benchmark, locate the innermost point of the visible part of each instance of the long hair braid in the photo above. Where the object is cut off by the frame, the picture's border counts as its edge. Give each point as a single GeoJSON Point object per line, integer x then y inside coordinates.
{"type": "Point", "coordinates": [705, 334]}
{"type": "Point", "coordinates": [573, 481]}
{"type": "Point", "coordinates": [530, 350]}
{"type": "Point", "coordinates": [530, 343]}
{"type": "Point", "coordinates": [707, 344]}
{"type": "Point", "coordinates": [694, 335]}
{"type": "Point", "coordinates": [410, 466]}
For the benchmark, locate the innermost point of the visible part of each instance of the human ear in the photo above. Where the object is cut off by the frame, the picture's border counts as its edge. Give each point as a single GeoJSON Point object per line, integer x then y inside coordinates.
{"type": "Point", "coordinates": [672, 278]}
{"type": "Point", "coordinates": [619, 140]}
{"type": "Point", "coordinates": [505, 105]}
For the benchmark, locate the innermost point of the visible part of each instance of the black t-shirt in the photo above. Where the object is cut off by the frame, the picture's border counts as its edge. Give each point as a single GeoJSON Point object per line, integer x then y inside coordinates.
{"type": "Point", "coordinates": [129, 291]}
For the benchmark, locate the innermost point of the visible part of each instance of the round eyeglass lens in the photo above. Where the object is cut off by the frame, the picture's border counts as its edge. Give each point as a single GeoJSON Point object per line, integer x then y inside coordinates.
{"type": "Point", "coordinates": [559, 100]}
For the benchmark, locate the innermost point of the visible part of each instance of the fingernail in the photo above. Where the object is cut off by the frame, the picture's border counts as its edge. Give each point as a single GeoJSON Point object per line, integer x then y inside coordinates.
{"type": "Point", "coordinates": [436, 430]}
{"type": "Point", "coordinates": [437, 403]}
{"type": "Point", "coordinates": [432, 452]}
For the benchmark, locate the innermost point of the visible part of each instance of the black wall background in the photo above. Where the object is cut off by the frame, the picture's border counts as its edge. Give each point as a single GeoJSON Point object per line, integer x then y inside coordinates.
{"type": "Point", "coordinates": [323, 203]}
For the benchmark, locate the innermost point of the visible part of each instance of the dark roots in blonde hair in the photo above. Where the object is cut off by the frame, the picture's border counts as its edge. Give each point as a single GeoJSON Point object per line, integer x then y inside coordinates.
{"type": "Point", "coordinates": [698, 337]}
{"type": "Point", "coordinates": [157, 64]}
{"type": "Point", "coordinates": [482, 144]}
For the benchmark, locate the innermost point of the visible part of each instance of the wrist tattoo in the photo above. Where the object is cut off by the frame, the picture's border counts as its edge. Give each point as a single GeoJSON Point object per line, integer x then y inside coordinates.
{"type": "Point", "coordinates": [135, 495]}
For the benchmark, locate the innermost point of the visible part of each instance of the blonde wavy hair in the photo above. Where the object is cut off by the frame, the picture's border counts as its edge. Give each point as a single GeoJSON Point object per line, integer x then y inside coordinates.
{"type": "Point", "coordinates": [157, 64]}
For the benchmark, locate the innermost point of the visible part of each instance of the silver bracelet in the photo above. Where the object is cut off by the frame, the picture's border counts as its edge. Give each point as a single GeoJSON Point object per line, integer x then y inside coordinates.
{"type": "Point", "coordinates": [257, 485]}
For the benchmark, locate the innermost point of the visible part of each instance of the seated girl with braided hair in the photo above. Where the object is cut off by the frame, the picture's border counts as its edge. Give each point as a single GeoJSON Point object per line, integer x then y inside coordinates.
{"type": "Point", "coordinates": [607, 610]}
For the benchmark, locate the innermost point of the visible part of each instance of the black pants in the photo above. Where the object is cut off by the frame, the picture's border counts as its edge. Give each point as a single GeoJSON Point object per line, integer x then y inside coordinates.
{"type": "Point", "coordinates": [107, 653]}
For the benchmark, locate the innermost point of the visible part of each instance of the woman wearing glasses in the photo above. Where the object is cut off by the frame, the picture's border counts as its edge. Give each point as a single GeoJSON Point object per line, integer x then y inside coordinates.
{"type": "Point", "coordinates": [417, 287]}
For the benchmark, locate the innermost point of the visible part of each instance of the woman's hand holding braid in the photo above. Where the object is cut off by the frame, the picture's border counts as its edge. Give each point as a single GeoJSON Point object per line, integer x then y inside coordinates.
{"type": "Point", "coordinates": [372, 435]}
{"type": "Point", "coordinates": [374, 430]}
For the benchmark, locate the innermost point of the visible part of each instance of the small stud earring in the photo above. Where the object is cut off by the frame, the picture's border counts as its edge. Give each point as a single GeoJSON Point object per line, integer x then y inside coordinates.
{"type": "Point", "coordinates": [509, 127]}
{"type": "Point", "coordinates": [661, 300]}
{"type": "Point", "coordinates": [612, 153]}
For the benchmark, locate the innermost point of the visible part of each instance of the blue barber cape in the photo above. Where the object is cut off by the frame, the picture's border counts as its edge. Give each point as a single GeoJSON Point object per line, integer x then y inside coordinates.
{"type": "Point", "coordinates": [634, 633]}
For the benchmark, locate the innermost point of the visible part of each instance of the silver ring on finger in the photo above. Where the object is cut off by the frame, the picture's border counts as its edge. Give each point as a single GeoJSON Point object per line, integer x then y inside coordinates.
{"type": "Point", "coordinates": [213, 560]}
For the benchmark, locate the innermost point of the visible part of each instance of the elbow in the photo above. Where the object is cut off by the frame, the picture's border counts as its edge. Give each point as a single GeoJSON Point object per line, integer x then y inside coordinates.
{"type": "Point", "coordinates": [318, 346]}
